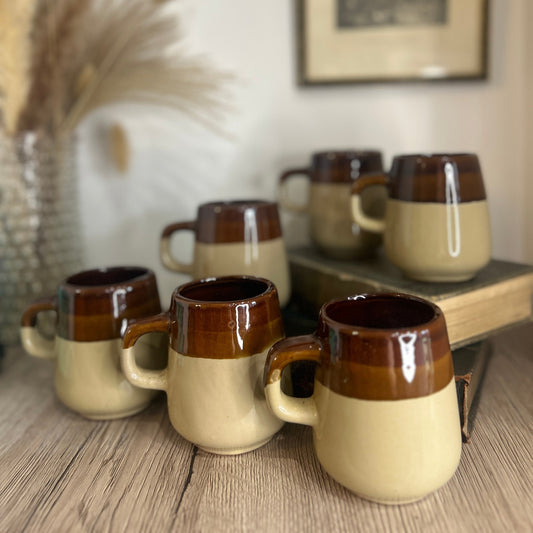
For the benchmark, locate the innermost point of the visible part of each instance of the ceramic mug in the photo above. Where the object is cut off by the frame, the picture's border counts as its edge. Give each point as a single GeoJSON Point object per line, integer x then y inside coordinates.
{"type": "Point", "coordinates": [241, 237]}
{"type": "Point", "coordinates": [93, 308]}
{"type": "Point", "coordinates": [220, 330]}
{"type": "Point", "coordinates": [331, 175]}
{"type": "Point", "coordinates": [436, 225]}
{"type": "Point", "coordinates": [384, 408]}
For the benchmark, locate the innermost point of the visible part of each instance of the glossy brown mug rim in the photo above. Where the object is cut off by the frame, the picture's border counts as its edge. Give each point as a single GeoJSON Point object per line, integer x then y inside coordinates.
{"type": "Point", "coordinates": [437, 155]}
{"type": "Point", "coordinates": [137, 274]}
{"type": "Point", "coordinates": [204, 325]}
{"type": "Point", "coordinates": [345, 154]}
{"type": "Point", "coordinates": [347, 328]}
{"type": "Point", "coordinates": [237, 204]}
{"type": "Point", "coordinates": [407, 359]}
{"type": "Point", "coordinates": [95, 304]}
{"type": "Point", "coordinates": [423, 178]}
{"type": "Point", "coordinates": [414, 166]}
{"type": "Point", "coordinates": [210, 282]}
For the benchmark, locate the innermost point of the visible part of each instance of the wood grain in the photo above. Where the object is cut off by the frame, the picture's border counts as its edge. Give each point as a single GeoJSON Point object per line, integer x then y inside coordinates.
{"type": "Point", "coordinates": [60, 472]}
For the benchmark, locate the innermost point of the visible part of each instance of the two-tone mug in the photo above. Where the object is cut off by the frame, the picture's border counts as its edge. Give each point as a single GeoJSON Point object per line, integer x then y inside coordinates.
{"type": "Point", "coordinates": [93, 308]}
{"type": "Point", "coordinates": [384, 407]}
{"type": "Point", "coordinates": [436, 226]}
{"type": "Point", "coordinates": [219, 330]}
{"type": "Point", "coordinates": [331, 175]}
{"type": "Point", "coordinates": [241, 237]}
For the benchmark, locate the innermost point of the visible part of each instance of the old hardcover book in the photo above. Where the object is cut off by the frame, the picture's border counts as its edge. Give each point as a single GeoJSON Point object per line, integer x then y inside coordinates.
{"type": "Point", "coordinates": [497, 298]}
{"type": "Point", "coordinates": [470, 364]}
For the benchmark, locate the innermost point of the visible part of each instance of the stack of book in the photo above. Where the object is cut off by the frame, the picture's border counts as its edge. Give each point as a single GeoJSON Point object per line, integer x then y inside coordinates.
{"type": "Point", "coordinates": [499, 297]}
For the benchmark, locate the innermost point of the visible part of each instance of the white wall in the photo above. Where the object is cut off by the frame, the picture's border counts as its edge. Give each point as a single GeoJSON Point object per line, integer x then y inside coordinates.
{"type": "Point", "coordinates": [274, 124]}
{"type": "Point", "coordinates": [528, 116]}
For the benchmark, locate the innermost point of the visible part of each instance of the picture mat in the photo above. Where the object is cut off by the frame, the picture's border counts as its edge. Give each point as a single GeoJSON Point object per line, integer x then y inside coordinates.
{"type": "Point", "coordinates": [455, 49]}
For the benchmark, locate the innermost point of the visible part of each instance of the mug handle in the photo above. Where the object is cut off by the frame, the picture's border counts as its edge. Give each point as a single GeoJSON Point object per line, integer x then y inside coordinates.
{"type": "Point", "coordinates": [142, 377]}
{"type": "Point", "coordinates": [374, 225]}
{"type": "Point", "coordinates": [164, 247]}
{"type": "Point", "coordinates": [32, 340]}
{"type": "Point", "coordinates": [283, 192]}
{"type": "Point", "coordinates": [284, 352]}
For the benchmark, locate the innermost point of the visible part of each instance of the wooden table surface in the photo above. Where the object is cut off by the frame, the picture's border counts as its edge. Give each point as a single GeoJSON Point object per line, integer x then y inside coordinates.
{"type": "Point", "coordinates": [60, 472]}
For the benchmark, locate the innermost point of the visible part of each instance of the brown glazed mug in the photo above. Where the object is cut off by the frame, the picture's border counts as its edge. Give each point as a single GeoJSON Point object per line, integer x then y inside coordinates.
{"type": "Point", "coordinates": [220, 330]}
{"type": "Point", "coordinates": [331, 175]}
{"type": "Point", "coordinates": [436, 226]}
{"type": "Point", "coordinates": [384, 407]}
{"type": "Point", "coordinates": [241, 237]}
{"type": "Point", "coordinates": [93, 308]}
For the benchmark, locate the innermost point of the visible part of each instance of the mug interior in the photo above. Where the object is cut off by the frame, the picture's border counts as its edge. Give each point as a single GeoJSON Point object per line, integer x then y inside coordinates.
{"type": "Point", "coordinates": [436, 156]}
{"type": "Point", "coordinates": [330, 155]}
{"type": "Point", "coordinates": [236, 204]}
{"type": "Point", "coordinates": [224, 289]}
{"type": "Point", "coordinates": [381, 312]}
{"type": "Point", "coordinates": [106, 276]}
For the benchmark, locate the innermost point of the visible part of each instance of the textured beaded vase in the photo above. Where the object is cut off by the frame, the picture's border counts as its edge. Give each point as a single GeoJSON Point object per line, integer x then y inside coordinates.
{"type": "Point", "coordinates": [40, 233]}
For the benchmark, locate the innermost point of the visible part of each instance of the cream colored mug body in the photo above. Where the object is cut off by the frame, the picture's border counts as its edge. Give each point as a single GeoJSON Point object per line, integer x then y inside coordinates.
{"type": "Point", "coordinates": [264, 259]}
{"type": "Point", "coordinates": [384, 408]}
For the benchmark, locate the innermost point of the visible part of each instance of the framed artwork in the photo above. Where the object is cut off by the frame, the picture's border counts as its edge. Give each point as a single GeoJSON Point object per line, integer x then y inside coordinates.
{"type": "Point", "coordinates": [348, 41]}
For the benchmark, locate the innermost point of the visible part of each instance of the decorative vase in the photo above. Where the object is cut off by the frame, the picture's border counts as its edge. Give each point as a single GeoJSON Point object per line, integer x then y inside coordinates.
{"type": "Point", "coordinates": [40, 231]}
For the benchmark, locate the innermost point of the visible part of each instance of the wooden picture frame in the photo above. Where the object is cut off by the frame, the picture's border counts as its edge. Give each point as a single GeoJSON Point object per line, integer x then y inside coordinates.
{"type": "Point", "coordinates": [356, 41]}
